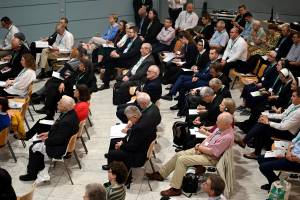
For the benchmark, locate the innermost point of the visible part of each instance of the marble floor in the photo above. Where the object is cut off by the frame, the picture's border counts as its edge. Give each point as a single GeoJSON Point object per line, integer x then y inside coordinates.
{"type": "Point", "coordinates": [247, 176]}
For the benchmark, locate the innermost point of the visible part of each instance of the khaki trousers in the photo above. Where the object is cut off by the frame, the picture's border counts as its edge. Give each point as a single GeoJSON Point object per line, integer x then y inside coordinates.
{"type": "Point", "coordinates": [179, 164]}
{"type": "Point", "coordinates": [45, 55]}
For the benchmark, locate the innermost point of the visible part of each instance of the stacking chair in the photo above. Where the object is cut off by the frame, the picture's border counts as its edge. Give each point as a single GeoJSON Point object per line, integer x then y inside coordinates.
{"type": "Point", "coordinates": [29, 195]}
{"type": "Point", "coordinates": [4, 141]}
{"type": "Point", "coordinates": [79, 134]}
{"type": "Point", "coordinates": [150, 153]}
{"type": "Point", "coordinates": [70, 149]}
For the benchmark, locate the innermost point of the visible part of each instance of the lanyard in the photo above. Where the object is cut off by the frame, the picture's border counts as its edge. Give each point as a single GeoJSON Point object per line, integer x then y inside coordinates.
{"type": "Point", "coordinates": [79, 77]}
{"type": "Point", "coordinates": [22, 72]}
{"type": "Point", "coordinates": [59, 42]}
{"type": "Point", "coordinates": [233, 42]}
{"type": "Point", "coordinates": [187, 16]}
{"type": "Point", "coordinates": [292, 110]}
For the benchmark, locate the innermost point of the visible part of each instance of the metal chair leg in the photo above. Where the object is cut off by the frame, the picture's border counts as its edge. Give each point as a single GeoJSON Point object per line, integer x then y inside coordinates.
{"type": "Point", "coordinates": [90, 112]}
{"type": "Point", "coordinates": [23, 143]}
{"type": "Point", "coordinates": [87, 133]}
{"type": "Point", "coordinates": [32, 105]}
{"type": "Point", "coordinates": [11, 151]}
{"type": "Point", "coordinates": [67, 170]}
{"type": "Point", "coordinates": [154, 154]}
{"type": "Point", "coordinates": [32, 119]}
{"type": "Point", "coordinates": [91, 124]}
{"type": "Point", "coordinates": [76, 157]}
{"type": "Point", "coordinates": [152, 166]}
{"type": "Point", "coordinates": [129, 179]}
{"type": "Point", "coordinates": [27, 124]}
{"type": "Point", "coordinates": [83, 144]}
{"type": "Point", "coordinates": [233, 83]}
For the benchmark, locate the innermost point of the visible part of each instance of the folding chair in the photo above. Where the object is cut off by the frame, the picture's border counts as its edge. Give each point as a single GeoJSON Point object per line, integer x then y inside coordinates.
{"type": "Point", "coordinates": [4, 141]}
{"type": "Point", "coordinates": [29, 195]}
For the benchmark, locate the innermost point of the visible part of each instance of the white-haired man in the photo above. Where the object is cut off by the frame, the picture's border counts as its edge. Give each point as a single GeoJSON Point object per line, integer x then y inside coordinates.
{"type": "Point", "coordinates": [206, 153]}
{"type": "Point", "coordinates": [52, 143]}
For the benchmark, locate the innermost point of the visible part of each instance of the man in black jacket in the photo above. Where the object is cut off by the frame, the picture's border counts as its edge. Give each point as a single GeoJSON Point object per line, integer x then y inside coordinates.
{"type": "Point", "coordinates": [14, 67]}
{"type": "Point", "coordinates": [285, 42]}
{"type": "Point", "coordinates": [53, 144]}
{"type": "Point", "coordinates": [124, 57]}
{"type": "Point", "coordinates": [137, 4]}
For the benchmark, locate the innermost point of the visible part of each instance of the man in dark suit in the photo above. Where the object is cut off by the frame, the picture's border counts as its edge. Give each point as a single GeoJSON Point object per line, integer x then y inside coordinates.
{"type": "Point", "coordinates": [124, 57]}
{"type": "Point", "coordinates": [14, 67]}
{"type": "Point", "coordinates": [53, 144]}
{"type": "Point", "coordinates": [285, 42]}
{"type": "Point", "coordinates": [137, 4]}
{"type": "Point", "coordinates": [135, 76]}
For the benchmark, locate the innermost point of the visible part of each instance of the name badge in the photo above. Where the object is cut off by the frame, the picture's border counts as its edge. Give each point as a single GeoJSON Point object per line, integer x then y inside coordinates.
{"type": "Point", "coordinates": [270, 90]}
{"type": "Point", "coordinates": [263, 78]}
{"type": "Point", "coordinates": [74, 87]}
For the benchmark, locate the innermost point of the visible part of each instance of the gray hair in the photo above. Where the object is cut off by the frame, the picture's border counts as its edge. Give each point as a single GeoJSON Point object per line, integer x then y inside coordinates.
{"type": "Point", "coordinates": [155, 68]}
{"type": "Point", "coordinates": [130, 24]}
{"type": "Point", "coordinates": [95, 191]}
{"type": "Point", "coordinates": [222, 23]}
{"type": "Point", "coordinates": [206, 91]}
{"type": "Point", "coordinates": [143, 97]}
{"type": "Point", "coordinates": [131, 111]}
{"type": "Point", "coordinates": [215, 81]}
{"type": "Point", "coordinates": [148, 45]}
{"type": "Point", "coordinates": [68, 102]}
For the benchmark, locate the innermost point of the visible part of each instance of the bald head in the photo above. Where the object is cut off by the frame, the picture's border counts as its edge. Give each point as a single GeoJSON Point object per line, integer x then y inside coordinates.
{"type": "Point", "coordinates": [65, 104]}
{"type": "Point", "coordinates": [16, 43]}
{"type": "Point", "coordinates": [224, 121]}
{"type": "Point", "coordinates": [153, 72]}
{"type": "Point", "coordinates": [143, 99]}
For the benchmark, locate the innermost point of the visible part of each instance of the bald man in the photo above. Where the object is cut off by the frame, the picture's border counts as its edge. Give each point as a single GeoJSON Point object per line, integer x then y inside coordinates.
{"type": "Point", "coordinates": [52, 143]}
{"type": "Point", "coordinates": [206, 153]}
{"type": "Point", "coordinates": [14, 67]}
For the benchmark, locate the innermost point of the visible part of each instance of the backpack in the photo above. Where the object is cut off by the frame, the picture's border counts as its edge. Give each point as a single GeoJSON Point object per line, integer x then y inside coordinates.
{"type": "Point", "coordinates": [180, 131]}
{"type": "Point", "coordinates": [190, 181]}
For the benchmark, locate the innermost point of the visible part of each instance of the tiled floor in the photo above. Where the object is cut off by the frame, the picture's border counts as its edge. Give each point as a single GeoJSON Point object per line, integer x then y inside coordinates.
{"type": "Point", "coordinates": [247, 176]}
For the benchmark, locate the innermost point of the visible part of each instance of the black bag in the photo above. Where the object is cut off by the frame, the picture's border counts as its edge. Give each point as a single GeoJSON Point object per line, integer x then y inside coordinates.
{"type": "Point", "coordinates": [120, 94]}
{"type": "Point", "coordinates": [116, 94]}
{"type": "Point", "coordinates": [190, 181]}
{"type": "Point", "coordinates": [180, 131]}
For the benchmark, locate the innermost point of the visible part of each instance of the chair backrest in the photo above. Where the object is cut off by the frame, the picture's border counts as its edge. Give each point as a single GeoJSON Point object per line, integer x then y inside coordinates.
{"type": "Point", "coordinates": [150, 149]}
{"type": "Point", "coordinates": [29, 195]}
{"type": "Point", "coordinates": [4, 136]}
{"type": "Point", "coordinates": [25, 107]}
{"type": "Point", "coordinates": [72, 144]}
{"type": "Point", "coordinates": [255, 70]}
{"type": "Point", "coordinates": [30, 88]}
{"type": "Point", "coordinates": [81, 126]}
{"type": "Point", "coordinates": [261, 70]}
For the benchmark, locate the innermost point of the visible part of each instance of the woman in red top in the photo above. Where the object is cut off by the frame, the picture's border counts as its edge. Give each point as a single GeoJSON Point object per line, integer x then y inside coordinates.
{"type": "Point", "coordinates": [82, 96]}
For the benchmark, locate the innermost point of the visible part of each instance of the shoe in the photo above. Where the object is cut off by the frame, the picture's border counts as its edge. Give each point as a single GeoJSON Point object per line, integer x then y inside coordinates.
{"type": "Point", "coordinates": [167, 97]}
{"type": "Point", "coordinates": [105, 167]}
{"type": "Point", "coordinates": [176, 98]}
{"type": "Point", "coordinates": [171, 192]}
{"type": "Point", "coordinates": [240, 108]}
{"type": "Point", "coordinates": [245, 112]}
{"type": "Point", "coordinates": [103, 87]}
{"type": "Point", "coordinates": [175, 107]}
{"type": "Point", "coordinates": [250, 156]}
{"type": "Point", "coordinates": [155, 176]}
{"type": "Point", "coordinates": [265, 187]}
{"type": "Point", "coordinates": [241, 143]}
{"type": "Point", "coordinates": [28, 177]}
{"type": "Point", "coordinates": [41, 111]}
{"type": "Point", "coordinates": [180, 114]}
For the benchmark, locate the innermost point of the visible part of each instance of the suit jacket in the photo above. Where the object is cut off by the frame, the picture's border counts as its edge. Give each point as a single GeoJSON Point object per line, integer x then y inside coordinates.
{"type": "Point", "coordinates": [153, 31]}
{"type": "Point", "coordinates": [133, 53]}
{"type": "Point", "coordinates": [269, 77]}
{"type": "Point", "coordinates": [15, 62]}
{"type": "Point", "coordinates": [140, 74]}
{"type": "Point", "coordinates": [60, 133]}
{"type": "Point", "coordinates": [153, 88]}
{"type": "Point", "coordinates": [190, 54]}
{"type": "Point", "coordinates": [210, 117]}
{"type": "Point", "coordinates": [202, 60]}
{"type": "Point", "coordinates": [284, 48]}
{"type": "Point", "coordinates": [224, 92]}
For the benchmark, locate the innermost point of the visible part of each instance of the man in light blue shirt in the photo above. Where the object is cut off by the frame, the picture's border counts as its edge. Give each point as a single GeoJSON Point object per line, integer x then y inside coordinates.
{"type": "Point", "coordinates": [291, 162]}
{"type": "Point", "coordinates": [248, 26]}
{"type": "Point", "coordinates": [220, 37]}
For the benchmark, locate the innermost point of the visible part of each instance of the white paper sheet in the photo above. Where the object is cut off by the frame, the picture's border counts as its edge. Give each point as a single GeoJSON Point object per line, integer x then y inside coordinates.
{"type": "Point", "coordinates": [168, 56]}
{"type": "Point", "coordinates": [14, 104]}
{"type": "Point", "coordinates": [2, 83]}
{"type": "Point", "coordinates": [255, 94]}
{"type": "Point", "coordinates": [3, 62]}
{"type": "Point", "coordinates": [179, 62]}
{"type": "Point", "coordinates": [47, 122]}
{"type": "Point", "coordinates": [186, 70]}
{"type": "Point", "coordinates": [275, 153]}
{"type": "Point", "coordinates": [63, 59]}
{"type": "Point", "coordinates": [35, 138]}
{"type": "Point", "coordinates": [57, 75]}
{"type": "Point", "coordinates": [281, 144]}
{"type": "Point", "coordinates": [41, 44]}
{"type": "Point", "coordinates": [108, 45]}
{"type": "Point", "coordinates": [116, 131]}
{"type": "Point", "coordinates": [61, 50]}
{"type": "Point", "coordinates": [193, 112]}
{"type": "Point", "coordinates": [194, 131]}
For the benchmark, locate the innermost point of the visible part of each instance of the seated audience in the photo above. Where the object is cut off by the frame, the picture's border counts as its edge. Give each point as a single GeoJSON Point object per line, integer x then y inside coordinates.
{"type": "Point", "coordinates": [206, 153]}
{"type": "Point", "coordinates": [117, 176]}
{"type": "Point", "coordinates": [208, 28]}
{"type": "Point", "coordinates": [175, 7]}
{"type": "Point", "coordinates": [220, 37]}
{"type": "Point", "coordinates": [187, 19]}
{"type": "Point", "coordinates": [7, 191]}
{"type": "Point", "coordinates": [285, 42]}
{"type": "Point", "coordinates": [108, 35]}
{"type": "Point", "coordinates": [153, 28]}
{"type": "Point", "coordinates": [291, 162]}
{"type": "Point", "coordinates": [14, 67]}
{"type": "Point", "coordinates": [124, 57]}
{"type": "Point", "coordinates": [246, 31]}
{"type": "Point", "coordinates": [235, 54]}
{"type": "Point", "coordinates": [185, 58]}
{"type": "Point", "coordinates": [239, 21]}
{"type": "Point", "coordinates": [143, 20]}
{"type": "Point", "coordinates": [95, 191]}
{"type": "Point", "coordinates": [54, 141]}
{"type": "Point", "coordinates": [214, 186]}
{"type": "Point", "coordinates": [137, 5]}
{"type": "Point", "coordinates": [284, 126]}
{"type": "Point", "coordinates": [257, 38]}
{"type": "Point", "coordinates": [82, 95]}
{"type": "Point", "coordinates": [19, 85]}
{"type": "Point", "coordinates": [293, 57]}
{"type": "Point", "coordinates": [4, 118]}
{"type": "Point", "coordinates": [61, 47]}
{"type": "Point", "coordinates": [164, 37]}
{"type": "Point", "coordinates": [152, 87]}
{"type": "Point", "coordinates": [5, 46]}
{"type": "Point", "coordinates": [51, 39]}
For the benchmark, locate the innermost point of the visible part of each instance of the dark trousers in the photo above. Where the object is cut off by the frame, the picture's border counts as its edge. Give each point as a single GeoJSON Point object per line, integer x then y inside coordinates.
{"type": "Point", "coordinates": [173, 13]}
{"type": "Point", "coordinates": [172, 72]}
{"type": "Point", "coordinates": [159, 47]}
{"type": "Point", "coordinates": [34, 50]}
{"type": "Point", "coordinates": [35, 162]}
{"type": "Point", "coordinates": [267, 166]}
{"type": "Point", "coordinates": [262, 134]}
{"type": "Point", "coordinates": [38, 129]}
{"type": "Point", "coordinates": [239, 66]}
{"type": "Point", "coordinates": [52, 96]}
